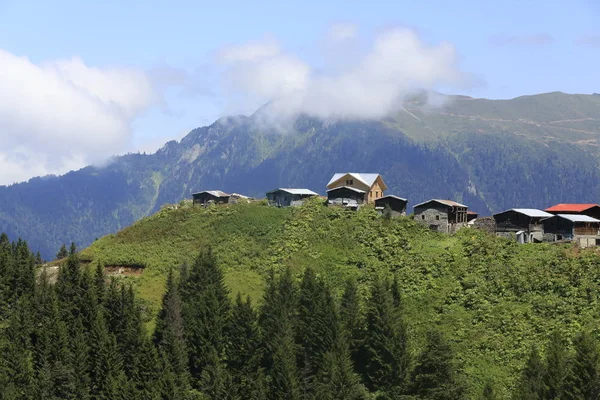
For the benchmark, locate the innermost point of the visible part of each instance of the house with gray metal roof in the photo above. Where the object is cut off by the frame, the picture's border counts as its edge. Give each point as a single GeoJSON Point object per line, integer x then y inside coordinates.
{"type": "Point", "coordinates": [523, 224]}
{"type": "Point", "coordinates": [286, 197]}
{"type": "Point", "coordinates": [439, 215]}
{"type": "Point", "coordinates": [210, 197]}
{"type": "Point", "coordinates": [581, 229]}
{"type": "Point", "coordinates": [371, 183]}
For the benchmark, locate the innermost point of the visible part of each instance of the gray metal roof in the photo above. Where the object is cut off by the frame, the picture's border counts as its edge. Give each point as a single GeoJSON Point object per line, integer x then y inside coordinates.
{"type": "Point", "coordinates": [448, 203]}
{"type": "Point", "coordinates": [366, 178]}
{"type": "Point", "coordinates": [305, 192]}
{"type": "Point", "coordinates": [392, 196]}
{"type": "Point", "coordinates": [577, 218]}
{"type": "Point", "coordinates": [530, 212]}
{"type": "Point", "coordinates": [349, 188]}
{"type": "Point", "coordinates": [216, 193]}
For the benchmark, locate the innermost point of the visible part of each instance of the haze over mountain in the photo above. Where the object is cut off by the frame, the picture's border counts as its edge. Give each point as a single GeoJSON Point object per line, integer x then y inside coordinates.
{"type": "Point", "coordinates": [530, 151]}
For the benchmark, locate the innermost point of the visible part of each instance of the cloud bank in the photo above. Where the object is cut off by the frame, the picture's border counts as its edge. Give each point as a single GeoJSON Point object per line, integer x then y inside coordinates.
{"type": "Point", "coordinates": [62, 114]}
{"type": "Point", "coordinates": [373, 82]}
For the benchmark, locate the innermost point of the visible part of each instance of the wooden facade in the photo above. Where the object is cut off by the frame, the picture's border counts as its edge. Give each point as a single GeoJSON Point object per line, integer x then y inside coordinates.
{"type": "Point", "coordinates": [524, 224]}
{"type": "Point", "coordinates": [371, 184]}
{"type": "Point", "coordinates": [289, 197]}
{"type": "Point", "coordinates": [210, 197]}
{"type": "Point", "coordinates": [396, 204]}
{"type": "Point", "coordinates": [582, 229]}
{"type": "Point", "coordinates": [346, 196]}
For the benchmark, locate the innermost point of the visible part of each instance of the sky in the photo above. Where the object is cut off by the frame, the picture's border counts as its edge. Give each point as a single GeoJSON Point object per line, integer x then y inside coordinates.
{"type": "Point", "coordinates": [82, 81]}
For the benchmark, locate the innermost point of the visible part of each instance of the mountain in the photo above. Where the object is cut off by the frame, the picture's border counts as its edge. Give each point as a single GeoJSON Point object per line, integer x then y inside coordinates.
{"type": "Point", "coordinates": [529, 151]}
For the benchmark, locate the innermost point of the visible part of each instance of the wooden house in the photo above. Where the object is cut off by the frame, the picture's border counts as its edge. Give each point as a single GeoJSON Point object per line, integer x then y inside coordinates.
{"type": "Point", "coordinates": [371, 184]}
{"type": "Point", "coordinates": [346, 196]}
{"type": "Point", "coordinates": [580, 229]}
{"type": "Point", "coordinates": [591, 210]}
{"type": "Point", "coordinates": [288, 197]}
{"type": "Point", "coordinates": [210, 197]}
{"type": "Point", "coordinates": [524, 224]}
{"type": "Point", "coordinates": [472, 215]}
{"type": "Point", "coordinates": [445, 216]}
{"type": "Point", "coordinates": [395, 203]}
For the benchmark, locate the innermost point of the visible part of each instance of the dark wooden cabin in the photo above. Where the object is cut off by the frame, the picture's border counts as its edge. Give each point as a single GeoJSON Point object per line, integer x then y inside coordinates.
{"type": "Point", "coordinates": [396, 204]}
{"type": "Point", "coordinates": [591, 210]}
{"type": "Point", "coordinates": [210, 197]}
{"type": "Point", "coordinates": [581, 229]}
{"type": "Point", "coordinates": [288, 197]}
{"type": "Point", "coordinates": [471, 215]}
{"type": "Point", "coordinates": [346, 196]}
{"type": "Point", "coordinates": [445, 216]}
{"type": "Point", "coordinates": [524, 224]}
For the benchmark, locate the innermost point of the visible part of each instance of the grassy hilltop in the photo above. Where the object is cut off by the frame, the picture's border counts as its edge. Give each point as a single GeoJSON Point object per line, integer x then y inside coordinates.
{"type": "Point", "coordinates": [493, 298]}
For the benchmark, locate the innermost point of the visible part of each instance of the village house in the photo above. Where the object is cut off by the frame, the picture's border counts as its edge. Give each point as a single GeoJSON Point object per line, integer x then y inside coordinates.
{"type": "Point", "coordinates": [472, 215]}
{"type": "Point", "coordinates": [371, 184]}
{"type": "Point", "coordinates": [210, 197]}
{"type": "Point", "coordinates": [288, 197]}
{"type": "Point", "coordinates": [524, 224]}
{"type": "Point", "coordinates": [445, 216]}
{"type": "Point", "coordinates": [396, 204]}
{"type": "Point", "coordinates": [346, 196]}
{"type": "Point", "coordinates": [580, 229]}
{"type": "Point", "coordinates": [591, 210]}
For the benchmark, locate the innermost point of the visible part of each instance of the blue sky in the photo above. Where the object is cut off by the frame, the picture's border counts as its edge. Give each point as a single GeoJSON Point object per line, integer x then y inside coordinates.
{"type": "Point", "coordinates": [168, 50]}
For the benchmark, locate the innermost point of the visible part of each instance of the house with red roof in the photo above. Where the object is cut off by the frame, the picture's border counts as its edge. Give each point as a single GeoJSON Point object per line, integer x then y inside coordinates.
{"type": "Point", "coordinates": [445, 216]}
{"type": "Point", "coordinates": [591, 210]}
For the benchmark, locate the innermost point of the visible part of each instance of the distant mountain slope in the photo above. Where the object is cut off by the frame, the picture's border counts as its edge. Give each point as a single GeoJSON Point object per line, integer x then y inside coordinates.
{"type": "Point", "coordinates": [491, 154]}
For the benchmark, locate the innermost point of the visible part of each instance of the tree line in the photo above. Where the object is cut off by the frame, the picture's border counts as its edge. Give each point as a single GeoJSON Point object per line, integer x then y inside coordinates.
{"type": "Point", "coordinates": [84, 337]}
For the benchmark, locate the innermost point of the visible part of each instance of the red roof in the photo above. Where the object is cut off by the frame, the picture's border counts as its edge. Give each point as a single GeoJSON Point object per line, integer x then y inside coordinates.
{"type": "Point", "coordinates": [570, 207]}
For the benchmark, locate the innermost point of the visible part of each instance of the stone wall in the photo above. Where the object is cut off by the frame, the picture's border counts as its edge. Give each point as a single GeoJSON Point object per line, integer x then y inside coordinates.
{"type": "Point", "coordinates": [436, 218]}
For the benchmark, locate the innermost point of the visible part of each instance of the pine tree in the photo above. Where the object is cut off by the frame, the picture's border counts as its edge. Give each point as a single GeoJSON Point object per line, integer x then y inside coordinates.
{"type": "Point", "coordinates": [284, 373]}
{"type": "Point", "coordinates": [215, 381]}
{"type": "Point", "coordinates": [206, 309]}
{"type": "Point", "coordinates": [80, 361]}
{"type": "Point", "coordinates": [62, 253]}
{"type": "Point", "coordinates": [244, 353]}
{"type": "Point", "coordinates": [169, 337]}
{"type": "Point", "coordinates": [354, 324]}
{"type": "Point", "coordinates": [557, 366]}
{"type": "Point", "coordinates": [531, 384]}
{"type": "Point", "coordinates": [386, 344]}
{"type": "Point", "coordinates": [146, 372]}
{"type": "Point", "coordinates": [100, 283]}
{"type": "Point", "coordinates": [435, 375]}
{"type": "Point", "coordinates": [583, 382]}
{"type": "Point", "coordinates": [395, 289]}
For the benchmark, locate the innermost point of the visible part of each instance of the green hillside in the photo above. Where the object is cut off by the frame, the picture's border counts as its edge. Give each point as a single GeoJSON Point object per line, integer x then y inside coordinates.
{"type": "Point", "coordinates": [493, 298]}
{"type": "Point", "coordinates": [531, 151]}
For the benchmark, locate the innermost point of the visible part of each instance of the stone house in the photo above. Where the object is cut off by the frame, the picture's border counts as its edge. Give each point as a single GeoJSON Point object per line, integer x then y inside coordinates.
{"type": "Point", "coordinates": [371, 184]}
{"type": "Point", "coordinates": [284, 197]}
{"type": "Point", "coordinates": [396, 204]}
{"type": "Point", "coordinates": [524, 224]}
{"type": "Point", "coordinates": [445, 216]}
{"type": "Point", "coordinates": [210, 197]}
{"type": "Point", "coordinates": [580, 229]}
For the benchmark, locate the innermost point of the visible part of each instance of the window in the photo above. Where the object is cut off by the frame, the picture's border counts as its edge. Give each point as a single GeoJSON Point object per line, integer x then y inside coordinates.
{"type": "Point", "coordinates": [376, 194]}
{"type": "Point", "coordinates": [437, 217]}
{"type": "Point", "coordinates": [422, 216]}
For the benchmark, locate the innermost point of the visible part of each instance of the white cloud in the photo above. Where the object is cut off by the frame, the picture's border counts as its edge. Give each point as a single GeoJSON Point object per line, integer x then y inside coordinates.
{"type": "Point", "coordinates": [59, 115]}
{"type": "Point", "coordinates": [396, 65]}
{"type": "Point", "coordinates": [341, 31]}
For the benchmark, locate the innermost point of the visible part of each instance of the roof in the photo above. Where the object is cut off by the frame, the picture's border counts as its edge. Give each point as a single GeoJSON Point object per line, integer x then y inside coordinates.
{"type": "Point", "coordinates": [570, 207]}
{"type": "Point", "coordinates": [349, 188]}
{"type": "Point", "coordinates": [391, 196]}
{"type": "Point", "coordinates": [305, 192]}
{"type": "Point", "coordinates": [448, 203]}
{"type": "Point", "coordinates": [472, 213]}
{"type": "Point", "coordinates": [530, 212]}
{"type": "Point", "coordinates": [577, 218]}
{"type": "Point", "coordinates": [241, 196]}
{"type": "Point", "coordinates": [366, 178]}
{"type": "Point", "coordinates": [216, 193]}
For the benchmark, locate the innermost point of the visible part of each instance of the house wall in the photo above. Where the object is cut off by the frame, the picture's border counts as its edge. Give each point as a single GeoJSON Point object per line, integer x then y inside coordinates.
{"type": "Point", "coordinates": [398, 206]}
{"type": "Point", "coordinates": [587, 241]}
{"type": "Point", "coordinates": [205, 198]}
{"type": "Point", "coordinates": [374, 192]}
{"type": "Point", "coordinates": [280, 199]}
{"type": "Point", "coordinates": [433, 216]}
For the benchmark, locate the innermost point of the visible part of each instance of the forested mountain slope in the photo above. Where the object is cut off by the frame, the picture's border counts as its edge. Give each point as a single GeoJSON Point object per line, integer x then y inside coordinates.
{"type": "Point", "coordinates": [531, 151]}
{"type": "Point", "coordinates": [490, 297]}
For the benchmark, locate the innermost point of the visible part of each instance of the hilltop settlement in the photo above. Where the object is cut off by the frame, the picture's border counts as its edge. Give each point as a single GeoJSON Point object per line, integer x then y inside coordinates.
{"type": "Point", "coordinates": [578, 223]}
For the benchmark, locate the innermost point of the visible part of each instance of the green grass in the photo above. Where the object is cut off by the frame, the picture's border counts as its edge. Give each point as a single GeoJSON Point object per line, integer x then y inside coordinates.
{"type": "Point", "coordinates": [492, 297]}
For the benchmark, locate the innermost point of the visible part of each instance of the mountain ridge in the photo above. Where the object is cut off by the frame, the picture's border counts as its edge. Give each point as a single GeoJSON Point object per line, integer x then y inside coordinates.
{"type": "Point", "coordinates": [478, 151]}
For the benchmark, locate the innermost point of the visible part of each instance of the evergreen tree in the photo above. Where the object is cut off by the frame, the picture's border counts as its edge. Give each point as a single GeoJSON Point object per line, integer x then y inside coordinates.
{"type": "Point", "coordinates": [146, 372]}
{"type": "Point", "coordinates": [215, 381]}
{"type": "Point", "coordinates": [353, 323]}
{"type": "Point", "coordinates": [583, 382]}
{"type": "Point", "coordinates": [531, 384]}
{"type": "Point", "coordinates": [169, 337]}
{"type": "Point", "coordinates": [62, 253]}
{"type": "Point", "coordinates": [244, 350]}
{"type": "Point", "coordinates": [80, 361]}
{"type": "Point", "coordinates": [100, 283]}
{"type": "Point", "coordinates": [435, 375]}
{"type": "Point", "coordinates": [395, 289]}
{"type": "Point", "coordinates": [386, 344]}
{"type": "Point", "coordinates": [557, 366]}
{"type": "Point", "coordinates": [284, 373]}
{"type": "Point", "coordinates": [206, 309]}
